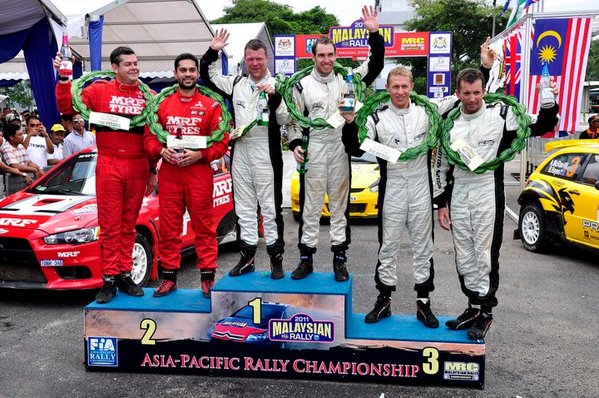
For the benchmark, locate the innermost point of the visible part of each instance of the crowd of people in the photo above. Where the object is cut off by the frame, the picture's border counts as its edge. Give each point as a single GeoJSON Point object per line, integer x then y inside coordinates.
{"type": "Point", "coordinates": [28, 149]}
{"type": "Point", "coordinates": [471, 204]}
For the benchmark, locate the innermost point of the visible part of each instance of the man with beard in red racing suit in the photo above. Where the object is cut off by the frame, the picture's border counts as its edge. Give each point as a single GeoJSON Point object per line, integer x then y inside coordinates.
{"type": "Point", "coordinates": [186, 176]}
{"type": "Point", "coordinates": [123, 173]}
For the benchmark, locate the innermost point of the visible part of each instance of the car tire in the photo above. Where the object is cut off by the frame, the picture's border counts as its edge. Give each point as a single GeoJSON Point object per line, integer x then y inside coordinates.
{"type": "Point", "coordinates": [531, 226]}
{"type": "Point", "coordinates": [142, 260]}
{"type": "Point", "coordinates": [226, 231]}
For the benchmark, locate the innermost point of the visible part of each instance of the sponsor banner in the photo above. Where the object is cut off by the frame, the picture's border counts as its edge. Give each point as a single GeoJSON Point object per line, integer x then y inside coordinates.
{"type": "Point", "coordinates": [439, 64]}
{"type": "Point", "coordinates": [356, 35]}
{"type": "Point", "coordinates": [413, 44]}
{"type": "Point", "coordinates": [434, 364]}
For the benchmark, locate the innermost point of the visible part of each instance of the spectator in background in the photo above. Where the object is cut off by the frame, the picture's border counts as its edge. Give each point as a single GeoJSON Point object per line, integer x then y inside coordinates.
{"type": "Point", "coordinates": [12, 119]}
{"type": "Point", "coordinates": [57, 133]}
{"type": "Point", "coordinates": [6, 170]}
{"type": "Point", "coordinates": [67, 122]}
{"type": "Point", "coordinates": [78, 138]}
{"type": "Point", "coordinates": [593, 131]}
{"type": "Point", "coordinates": [37, 142]}
{"type": "Point", "coordinates": [15, 156]}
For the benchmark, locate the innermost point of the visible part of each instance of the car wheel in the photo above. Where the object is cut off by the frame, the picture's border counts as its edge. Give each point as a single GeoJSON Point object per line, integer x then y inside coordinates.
{"type": "Point", "coordinates": [531, 226]}
{"type": "Point", "coordinates": [142, 260]}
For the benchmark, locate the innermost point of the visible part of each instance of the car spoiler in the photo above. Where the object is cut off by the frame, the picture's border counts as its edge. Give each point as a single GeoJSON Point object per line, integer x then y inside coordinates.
{"type": "Point", "coordinates": [558, 144]}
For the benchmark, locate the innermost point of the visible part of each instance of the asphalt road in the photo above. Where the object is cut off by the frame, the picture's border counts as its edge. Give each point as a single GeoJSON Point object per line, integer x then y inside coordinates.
{"type": "Point", "coordinates": [543, 342]}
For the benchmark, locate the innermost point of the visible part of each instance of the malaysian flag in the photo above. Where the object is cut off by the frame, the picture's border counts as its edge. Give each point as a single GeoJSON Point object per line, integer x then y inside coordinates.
{"type": "Point", "coordinates": [513, 63]}
{"type": "Point", "coordinates": [564, 45]}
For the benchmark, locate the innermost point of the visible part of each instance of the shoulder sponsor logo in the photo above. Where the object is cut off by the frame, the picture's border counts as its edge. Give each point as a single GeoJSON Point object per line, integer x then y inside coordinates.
{"type": "Point", "coordinates": [102, 351]}
{"type": "Point", "coordinates": [16, 222]}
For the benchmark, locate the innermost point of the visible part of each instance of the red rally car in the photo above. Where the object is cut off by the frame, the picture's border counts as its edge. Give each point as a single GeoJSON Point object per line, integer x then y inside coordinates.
{"type": "Point", "coordinates": [49, 231]}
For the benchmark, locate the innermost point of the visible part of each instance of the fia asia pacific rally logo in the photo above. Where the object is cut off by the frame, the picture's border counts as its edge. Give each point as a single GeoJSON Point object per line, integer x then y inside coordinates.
{"type": "Point", "coordinates": [102, 351]}
{"type": "Point", "coordinates": [301, 327]}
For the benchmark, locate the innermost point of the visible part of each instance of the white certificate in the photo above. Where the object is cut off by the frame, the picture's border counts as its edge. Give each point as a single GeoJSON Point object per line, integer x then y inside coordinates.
{"type": "Point", "coordinates": [187, 141]}
{"type": "Point", "coordinates": [380, 151]}
{"type": "Point", "coordinates": [109, 120]}
{"type": "Point", "coordinates": [467, 153]}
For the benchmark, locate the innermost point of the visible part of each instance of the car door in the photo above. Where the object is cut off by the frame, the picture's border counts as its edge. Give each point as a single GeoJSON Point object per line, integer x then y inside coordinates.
{"type": "Point", "coordinates": [583, 223]}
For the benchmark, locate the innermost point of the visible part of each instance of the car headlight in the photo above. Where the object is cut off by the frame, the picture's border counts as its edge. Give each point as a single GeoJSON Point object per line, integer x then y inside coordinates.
{"type": "Point", "coordinates": [374, 187]}
{"type": "Point", "coordinates": [257, 337]}
{"type": "Point", "coordinates": [78, 236]}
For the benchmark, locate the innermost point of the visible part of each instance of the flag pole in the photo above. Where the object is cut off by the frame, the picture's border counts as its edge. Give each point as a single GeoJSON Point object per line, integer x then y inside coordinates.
{"type": "Point", "coordinates": [524, 81]}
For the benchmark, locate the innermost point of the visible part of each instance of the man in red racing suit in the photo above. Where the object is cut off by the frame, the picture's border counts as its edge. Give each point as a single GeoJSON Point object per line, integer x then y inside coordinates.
{"type": "Point", "coordinates": [186, 176]}
{"type": "Point", "coordinates": [122, 171]}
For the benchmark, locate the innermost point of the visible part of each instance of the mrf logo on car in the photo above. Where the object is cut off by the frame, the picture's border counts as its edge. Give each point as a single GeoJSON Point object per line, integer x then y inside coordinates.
{"type": "Point", "coordinates": [102, 351]}
{"type": "Point", "coordinates": [301, 327]}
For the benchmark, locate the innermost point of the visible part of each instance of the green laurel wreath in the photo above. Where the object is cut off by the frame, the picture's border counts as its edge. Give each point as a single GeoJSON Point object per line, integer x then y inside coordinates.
{"type": "Point", "coordinates": [285, 86]}
{"type": "Point", "coordinates": [508, 154]}
{"type": "Point", "coordinates": [79, 106]}
{"type": "Point", "coordinates": [373, 102]}
{"type": "Point", "coordinates": [224, 125]}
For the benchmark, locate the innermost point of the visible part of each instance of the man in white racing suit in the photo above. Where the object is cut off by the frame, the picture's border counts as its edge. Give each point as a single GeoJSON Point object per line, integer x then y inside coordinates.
{"type": "Point", "coordinates": [477, 201]}
{"type": "Point", "coordinates": [317, 95]}
{"type": "Point", "coordinates": [256, 158]}
{"type": "Point", "coordinates": [405, 192]}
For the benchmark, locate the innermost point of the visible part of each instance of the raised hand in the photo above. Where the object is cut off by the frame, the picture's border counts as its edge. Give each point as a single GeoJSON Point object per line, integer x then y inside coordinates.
{"type": "Point", "coordinates": [219, 41]}
{"type": "Point", "coordinates": [370, 18]}
{"type": "Point", "coordinates": [487, 54]}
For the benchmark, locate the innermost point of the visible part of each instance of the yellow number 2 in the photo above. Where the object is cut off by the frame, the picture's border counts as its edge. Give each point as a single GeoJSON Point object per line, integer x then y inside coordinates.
{"type": "Point", "coordinates": [149, 325]}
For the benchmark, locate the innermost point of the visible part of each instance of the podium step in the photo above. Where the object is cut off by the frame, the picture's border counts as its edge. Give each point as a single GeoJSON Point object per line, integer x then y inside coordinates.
{"type": "Point", "coordinates": [259, 327]}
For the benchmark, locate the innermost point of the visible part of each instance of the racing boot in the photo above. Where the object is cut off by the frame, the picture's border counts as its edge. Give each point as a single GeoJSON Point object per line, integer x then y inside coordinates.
{"type": "Point", "coordinates": [126, 285]}
{"type": "Point", "coordinates": [305, 266]}
{"type": "Point", "coordinates": [339, 268]}
{"type": "Point", "coordinates": [382, 309]}
{"type": "Point", "coordinates": [425, 315]}
{"type": "Point", "coordinates": [108, 290]}
{"type": "Point", "coordinates": [275, 252]}
{"type": "Point", "coordinates": [207, 278]}
{"type": "Point", "coordinates": [168, 284]}
{"type": "Point", "coordinates": [481, 326]}
{"type": "Point", "coordinates": [246, 262]}
{"type": "Point", "coordinates": [465, 320]}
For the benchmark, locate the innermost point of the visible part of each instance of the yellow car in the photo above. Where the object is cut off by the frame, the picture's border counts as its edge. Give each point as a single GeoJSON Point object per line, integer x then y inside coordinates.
{"type": "Point", "coordinates": [561, 201]}
{"type": "Point", "coordinates": [364, 189]}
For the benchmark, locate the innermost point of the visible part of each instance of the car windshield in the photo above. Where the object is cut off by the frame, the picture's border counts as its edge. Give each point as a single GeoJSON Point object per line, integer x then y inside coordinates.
{"type": "Point", "coordinates": [366, 158]}
{"type": "Point", "coordinates": [75, 177]}
{"type": "Point", "coordinates": [268, 312]}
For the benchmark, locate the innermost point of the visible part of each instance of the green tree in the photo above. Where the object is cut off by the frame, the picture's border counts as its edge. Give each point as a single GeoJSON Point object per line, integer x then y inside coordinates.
{"type": "Point", "coordinates": [593, 63]}
{"type": "Point", "coordinates": [470, 21]}
{"type": "Point", "coordinates": [279, 18]}
{"type": "Point", "coordinates": [19, 94]}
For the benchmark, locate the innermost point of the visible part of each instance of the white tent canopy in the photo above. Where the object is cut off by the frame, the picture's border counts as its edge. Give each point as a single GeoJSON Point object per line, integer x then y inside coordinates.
{"type": "Point", "coordinates": [157, 30]}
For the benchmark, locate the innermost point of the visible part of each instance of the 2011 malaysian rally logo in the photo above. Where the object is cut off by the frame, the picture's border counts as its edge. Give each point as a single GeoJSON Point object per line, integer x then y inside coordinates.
{"type": "Point", "coordinates": [102, 351]}
{"type": "Point", "coordinates": [301, 327]}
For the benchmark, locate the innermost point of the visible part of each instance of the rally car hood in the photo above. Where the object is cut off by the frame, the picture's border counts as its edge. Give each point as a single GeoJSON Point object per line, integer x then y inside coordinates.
{"type": "Point", "coordinates": [47, 213]}
{"type": "Point", "coordinates": [364, 174]}
{"type": "Point", "coordinates": [236, 328]}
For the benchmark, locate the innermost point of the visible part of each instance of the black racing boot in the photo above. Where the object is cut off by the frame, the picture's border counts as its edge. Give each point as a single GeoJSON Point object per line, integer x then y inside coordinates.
{"type": "Point", "coordinates": [246, 262]}
{"type": "Point", "coordinates": [382, 309]}
{"type": "Point", "coordinates": [481, 326]}
{"type": "Point", "coordinates": [207, 278]}
{"type": "Point", "coordinates": [168, 284]}
{"type": "Point", "coordinates": [424, 314]}
{"type": "Point", "coordinates": [275, 252]}
{"type": "Point", "coordinates": [339, 268]}
{"type": "Point", "coordinates": [108, 290]}
{"type": "Point", "coordinates": [465, 320]}
{"type": "Point", "coordinates": [305, 266]}
{"type": "Point", "coordinates": [126, 285]}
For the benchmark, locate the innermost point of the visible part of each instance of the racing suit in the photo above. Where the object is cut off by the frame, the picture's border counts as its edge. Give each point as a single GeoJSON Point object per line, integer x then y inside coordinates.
{"type": "Point", "coordinates": [191, 186]}
{"type": "Point", "coordinates": [329, 165]}
{"type": "Point", "coordinates": [256, 159]}
{"type": "Point", "coordinates": [404, 191]}
{"type": "Point", "coordinates": [477, 201]}
{"type": "Point", "coordinates": [121, 171]}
